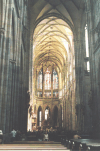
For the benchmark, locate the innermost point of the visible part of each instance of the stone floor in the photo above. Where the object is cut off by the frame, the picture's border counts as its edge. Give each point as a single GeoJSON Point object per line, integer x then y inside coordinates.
{"type": "Point", "coordinates": [42, 146]}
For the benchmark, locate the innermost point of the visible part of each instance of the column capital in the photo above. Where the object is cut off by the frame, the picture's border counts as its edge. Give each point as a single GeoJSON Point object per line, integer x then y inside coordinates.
{"type": "Point", "coordinates": [2, 30]}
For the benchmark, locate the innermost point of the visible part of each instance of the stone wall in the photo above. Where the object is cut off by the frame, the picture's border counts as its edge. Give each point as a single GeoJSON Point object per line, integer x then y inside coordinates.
{"type": "Point", "coordinates": [93, 17]}
{"type": "Point", "coordinates": [14, 64]}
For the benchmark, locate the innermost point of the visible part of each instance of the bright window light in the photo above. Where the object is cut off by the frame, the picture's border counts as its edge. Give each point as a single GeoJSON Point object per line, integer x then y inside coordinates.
{"type": "Point", "coordinates": [46, 114]}
{"type": "Point", "coordinates": [88, 66]}
{"type": "Point", "coordinates": [86, 41]}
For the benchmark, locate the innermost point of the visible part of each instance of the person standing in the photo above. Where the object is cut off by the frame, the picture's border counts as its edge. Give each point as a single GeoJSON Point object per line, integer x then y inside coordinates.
{"type": "Point", "coordinates": [1, 136]}
{"type": "Point", "coordinates": [46, 137]}
{"type": "Point", "coordinates": [13, 135]}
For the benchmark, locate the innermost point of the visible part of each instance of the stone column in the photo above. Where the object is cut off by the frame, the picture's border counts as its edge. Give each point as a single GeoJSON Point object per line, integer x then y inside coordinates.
{"type": "Point", "coordinates": [43, 114]}
{"type": "Point", "coordinates": [52, 83]}
{"type": "Point", "coordinates": [64, 113]}
{"type": "Point", "coordinates": [18, 76]}
{"type": "Point", "coordinates": [78, 62]}
{"type": "Point", "coordinates": [42, 82]}
{"type": "Point", "coordinates": [1, 51]}
{"type": "Point", "coordinates": [60, 116]}
{"type": "Point", "coordinates": [51, 115]}
{"type": "Point", "coordinates": [2, 14]}
{"type": "Point", "coordinates": [5, 23]}
{"type": "Point", "coordinates": [36, 83]}
{"type": "Point", "coordinates": [58, 122]}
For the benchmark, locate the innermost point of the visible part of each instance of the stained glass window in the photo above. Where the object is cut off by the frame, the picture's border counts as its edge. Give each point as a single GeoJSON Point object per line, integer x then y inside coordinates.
{"type": "Point", "coordinates": [39, 80]}
{"type": "Point", "coordinates": [55, 94]}
{"type": "Point", "coordinates": [55, 80]}
{"type": "Point", "coordinates": [46, 114]}
{"type": "Point", "coordinates": [47, 80]}
{"type": "Point", "coordinates": [39, 94]}
{"type": "Point", "coordinates": [47, 94]}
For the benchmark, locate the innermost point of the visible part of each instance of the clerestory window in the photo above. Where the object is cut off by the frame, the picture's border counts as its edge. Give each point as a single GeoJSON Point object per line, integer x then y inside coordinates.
{"type": "Point", "coordinates": [47, 84]}
{"type": "Point", "coordinates": [86, 41]}
{"type": "Point", "coordinates": [87, 48]}
{"type": "Point", "coordinates": [47, 80]}
{"type": "Point", "coordinates": [39, 80]}
{"type": "Point", "coordinates": [55, 80]}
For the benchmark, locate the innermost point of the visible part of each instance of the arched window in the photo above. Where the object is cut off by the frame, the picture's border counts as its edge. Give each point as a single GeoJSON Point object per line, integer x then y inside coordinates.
{"type": "Point", "coordinates": [86, 41]}
{"type": "Point", "coordinates": [13, 36]}
{"type": "Point", "coordinates": [87, 47]}
{"type": "Point", "coordinates": [39, 80]}
{"type": "Point", "coordinates": [39, 116]}
{"type": "Point", "coordinates": [47, 80]}
{"type": "Point", "coordinates": [47, 113]}
{"type": "Point", "coordinates": [55, 80]}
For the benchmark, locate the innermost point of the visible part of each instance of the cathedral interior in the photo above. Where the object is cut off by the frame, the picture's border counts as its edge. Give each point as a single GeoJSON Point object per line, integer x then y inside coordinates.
{"type": "Point", "coordinates": [50, 65]}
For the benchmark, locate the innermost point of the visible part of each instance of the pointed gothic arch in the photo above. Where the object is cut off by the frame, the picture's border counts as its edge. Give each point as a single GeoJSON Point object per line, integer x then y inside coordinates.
{"type": "Point", "coordinates": [39, 118]}
{"type": "Point", "coordinates": [55, 116]}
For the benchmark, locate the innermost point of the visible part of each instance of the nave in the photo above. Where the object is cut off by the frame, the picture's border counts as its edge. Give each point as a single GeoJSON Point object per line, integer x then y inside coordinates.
{"type": "Point", "coordinates": [50, 66]}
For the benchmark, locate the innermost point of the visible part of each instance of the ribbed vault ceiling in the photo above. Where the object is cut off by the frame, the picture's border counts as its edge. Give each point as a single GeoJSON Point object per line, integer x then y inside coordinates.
{"type": "Point", "coordinates": [52, 36]}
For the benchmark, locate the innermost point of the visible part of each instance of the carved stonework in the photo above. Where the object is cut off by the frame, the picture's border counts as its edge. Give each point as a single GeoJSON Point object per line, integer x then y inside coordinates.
{"type": "Point", "coordinates": [30, 110]}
